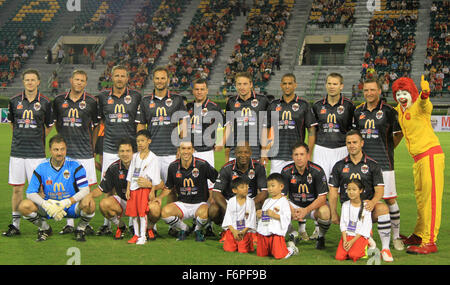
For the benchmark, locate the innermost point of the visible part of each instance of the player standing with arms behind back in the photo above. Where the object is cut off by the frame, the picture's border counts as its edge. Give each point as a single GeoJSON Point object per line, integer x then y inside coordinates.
{"type": "Point", "coordinates": [31, 121]}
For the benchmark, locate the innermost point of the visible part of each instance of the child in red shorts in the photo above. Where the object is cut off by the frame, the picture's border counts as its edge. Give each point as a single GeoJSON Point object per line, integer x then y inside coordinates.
{"type": "Point", "coordinates": [143, 173]}
{"type": "Point", "coordinates": [274, 220]}
{"type": "Point", "coordinates": [240, 217]}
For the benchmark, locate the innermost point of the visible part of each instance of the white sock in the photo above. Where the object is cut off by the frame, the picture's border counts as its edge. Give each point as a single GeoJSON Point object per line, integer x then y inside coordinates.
{"type": "Point", "coordinates": [115, 220]}
{"type": "Point", "coordinates": [84, 220]}
{"type": "Point", "coordinates": [394, 212]}
{"type": "Point", "coordinates": [130, 222]}
{"type": "Point", "coordinates": [106, 222]}
{"type": "Point", "coordinates": [143, 225]}
{"type": "Point", "coordinates": [70, 222]}
{"type": "Point", "coordinates": [302, 226]}
{"type": "Point", "coordinates": [323, 226]}
{"type": "Point", "coordinates": [134, 220]}
{"type": "Point", "coordinates": [200, 223]}
{"type": "Point", "coordinates": [155, 228]}
{"type": "Point", "coordinates": [16, 219]}
{"type": "Point", "coordinates": [384, 230]}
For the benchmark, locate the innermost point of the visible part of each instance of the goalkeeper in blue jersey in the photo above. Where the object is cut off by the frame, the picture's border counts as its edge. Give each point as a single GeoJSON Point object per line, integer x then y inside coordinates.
{"type": "Point", "coordinates": [58, 189]}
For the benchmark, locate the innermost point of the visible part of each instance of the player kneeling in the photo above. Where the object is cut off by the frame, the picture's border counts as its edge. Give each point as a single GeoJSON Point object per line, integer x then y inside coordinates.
{"type": "Point", "coordinates": [274, 220]}
{"type": "Point", "coordinates": [240, 217]}
{"type": "Point", "coordinates": [65, 187]}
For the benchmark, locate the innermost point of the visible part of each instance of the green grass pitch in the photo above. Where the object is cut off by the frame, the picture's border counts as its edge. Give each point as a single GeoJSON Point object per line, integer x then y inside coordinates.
{"type": "Point", "coordinates": [166, 250]}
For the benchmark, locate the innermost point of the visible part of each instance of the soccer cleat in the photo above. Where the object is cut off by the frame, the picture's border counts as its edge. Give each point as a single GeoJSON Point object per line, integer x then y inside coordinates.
{"type": "Point", "coordinates": [315, 234]}
{"type": "Point", "coordinates": [398, 244]}
{"type": "Point", "coordinates": [151, 234]}
{"type": "Point", "coordinates": [304, 236]}
{"type": "Point", "coordinates": [120, 232]}
{"type": "Point", "coordinates": [134, 239]}
{"type": "Point", "coordinates": [90, 230]}
{"type": "Point", "coordinates": [425, 248]}
{"type": "Point", "coordinates": [293, 250]}
{"type": "Point", "coordinates": [44, 234]}
{"type": "Point", "coordinates": [67, 230]}
{"type": "Point", "coordinates": [141, 240]}
{"type": "Point", "coordinates": [181, 235]}
{"type": "Point", "coordinates": [80, 235]}
{"type": "Point", "coordinates": [293, 236]}
{"type": "Point", "coordinates": [372, 243]}
{"type": "Point", "coordinates": [173, 232]}
{"type": "Point", "coordinates": [320, 244]}
{"type": "Point", "coordinates": [12, 231]}
{"type": "Point", "coordinates": [103, 231]}
{"type": "Point", "coordinates": [209, 231]}
{"type": "Point", "coordinates": [413, 240]}
{"type": "Point", "coordinates": [199, 236]}
{"type": "Point", "coordinates": [387, 255]}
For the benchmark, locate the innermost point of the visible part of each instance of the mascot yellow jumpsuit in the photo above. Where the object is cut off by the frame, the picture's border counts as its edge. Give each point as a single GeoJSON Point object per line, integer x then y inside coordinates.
{"type": "Point", "coordinates": [414, 112]}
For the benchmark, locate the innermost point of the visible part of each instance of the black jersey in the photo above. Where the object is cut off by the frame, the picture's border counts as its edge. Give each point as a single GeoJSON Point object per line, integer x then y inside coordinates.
{"type": "Point", "coordinates": [293, 119]}
{"type": "Point", "coordinates": [204, 120]}
{"type": "Point", "coordinates": [367, 170]}
{"type": "Point", "coordinates": [303, 189]}
{"type": "Point", "coordinates": [119, 115]}
{"type": "Point", "coordinates": [157, 115]}
{"type": "Point", "coordinates": [377, 128]}
{"type": "Point", "coordinates": [75, 122]}
{"type": "Point", "coordinates": [333, 121]}
{"type": "Point", "coordinates": [256, 174]}
{"type": "Point", "coordinates": [115, 180]}
{"type": "Point", "coordinates": [191, 185]}
{"type": "Point", "coordinates": [246, 119]}
{"type": "Point", "coordinates": [29, 120]}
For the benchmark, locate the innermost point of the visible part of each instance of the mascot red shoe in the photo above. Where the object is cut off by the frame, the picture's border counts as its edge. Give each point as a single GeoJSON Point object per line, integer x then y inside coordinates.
{"type": "Point", "coordinates": [414, 116]}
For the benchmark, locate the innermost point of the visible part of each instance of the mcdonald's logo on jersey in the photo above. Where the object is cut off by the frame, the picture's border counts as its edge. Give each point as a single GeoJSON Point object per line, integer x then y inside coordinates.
{"type": "Point", "coordinates": [246, 112]}
{"type": "Point", "coordinates": [73, 113]}
{"type": "Point", "coordinates": [161, 111]}
{"type": "Point", "coordinates": [27, 115]}
{"type": "Point", "coordinates": [195, 120]}
{"type": "Point", "coordinates": [188, 183]}
{"type": "Point", "coordinates": [331, 118]}
{"type": "Point", "coordinates": [355, 176]}
{"type": "Point", "coordinates": [119, 108]}
{"type": "Point", "coordinates": [58, 187]}
{"type": "Point", "coordinates": [303, 188]}
{"type": "Point", "coordinates": [370, 124]}
{"type": "Point", "coordinates": [287, 115]}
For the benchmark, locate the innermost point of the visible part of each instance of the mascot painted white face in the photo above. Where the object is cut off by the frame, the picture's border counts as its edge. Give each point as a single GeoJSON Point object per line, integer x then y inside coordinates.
{"type": "Point", "coordinates": [405, 92]}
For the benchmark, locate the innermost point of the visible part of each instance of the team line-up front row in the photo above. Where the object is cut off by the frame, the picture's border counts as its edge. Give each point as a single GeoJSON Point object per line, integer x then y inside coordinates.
{"type": "Point", "coordinates": [346, 140]}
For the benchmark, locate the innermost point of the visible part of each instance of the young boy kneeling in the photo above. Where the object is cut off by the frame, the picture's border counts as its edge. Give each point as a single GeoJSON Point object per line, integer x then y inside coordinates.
{"type": "Point", "coordinates": [240, 217]}
{"type": "Point", "coordinates": [274, 220]}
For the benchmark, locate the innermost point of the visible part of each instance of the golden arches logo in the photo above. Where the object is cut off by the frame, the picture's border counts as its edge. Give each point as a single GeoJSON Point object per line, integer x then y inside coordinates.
{"type": "Point", "coordinates": [355, 176]}
{"type": "Point", "coordinates": [331, 118]}
{"type": "Point", "coordinates": [119, 108]}
{"type": "Point", "coordinates": [303, 188]}
{"type": "Point", "coordinates": [246, 112]}
{"type": "Point", "coordinates": [188, 182]}
{"type": "Point", "coordinates": [73, 113]}
{"type": "Point", "coordinates": [27, 114]}
{"type": "Point", "coordinates": [287, 115]}
{"type": "Point", "coordinates": [195, 120]}
{"type": "Point", "coordinates": [370, 124]}
{"type": "Point", "coordinates": [58, 187]}
{"type": "Point", "coordinates": [161, 111]}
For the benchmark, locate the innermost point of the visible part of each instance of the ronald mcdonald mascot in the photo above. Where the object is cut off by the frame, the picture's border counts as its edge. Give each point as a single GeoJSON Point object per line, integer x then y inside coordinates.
{"type": "Point", "coordinates": [414, 115]}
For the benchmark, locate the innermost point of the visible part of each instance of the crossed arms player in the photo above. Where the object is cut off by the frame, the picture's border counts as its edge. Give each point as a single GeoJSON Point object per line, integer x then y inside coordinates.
{"type": "Point", "coordinates": [65, 187]}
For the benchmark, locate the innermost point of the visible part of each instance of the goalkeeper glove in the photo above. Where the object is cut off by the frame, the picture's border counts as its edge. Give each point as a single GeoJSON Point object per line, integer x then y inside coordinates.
{"type": "Point", "coordinates": [59, 215]}
{"type": "Point", "coordinates": [50, 207]}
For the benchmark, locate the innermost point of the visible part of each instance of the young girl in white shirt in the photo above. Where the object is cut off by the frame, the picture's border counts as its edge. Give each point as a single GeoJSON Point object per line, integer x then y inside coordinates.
{"type": "Point", "coordinates": [356, 224]}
